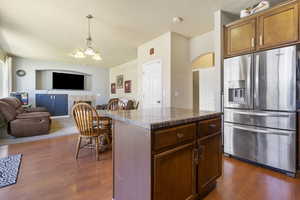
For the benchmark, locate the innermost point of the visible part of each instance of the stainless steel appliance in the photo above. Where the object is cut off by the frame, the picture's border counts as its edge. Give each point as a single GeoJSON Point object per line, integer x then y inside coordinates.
{"type": "Point", "coordinates": [260, 104]}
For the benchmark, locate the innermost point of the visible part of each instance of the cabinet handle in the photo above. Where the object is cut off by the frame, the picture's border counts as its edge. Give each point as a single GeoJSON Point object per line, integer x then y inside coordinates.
{"type": "Point", "coordinates": [201, 152]}
{"type": "Point", "coordinates": [260, 40]}
{"type": "Point", "coordinates": [180, 135]}
{"type": "Point", "coordinates": [196, 155]}
{"type": "Point", "coordinates": [252, 42]}
{"type": "Point", "coordinates": [212, 126]}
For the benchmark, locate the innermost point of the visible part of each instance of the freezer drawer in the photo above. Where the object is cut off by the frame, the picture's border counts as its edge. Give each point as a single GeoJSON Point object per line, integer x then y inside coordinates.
{"type": "Point", "coordinates": [271, 147]}
{"type": "Point", "coordinates": [276, 120]}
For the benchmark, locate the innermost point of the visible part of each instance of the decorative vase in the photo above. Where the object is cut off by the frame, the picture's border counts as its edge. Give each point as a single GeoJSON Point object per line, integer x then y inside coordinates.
{"type": "Point", "coordinates": [245, 13]}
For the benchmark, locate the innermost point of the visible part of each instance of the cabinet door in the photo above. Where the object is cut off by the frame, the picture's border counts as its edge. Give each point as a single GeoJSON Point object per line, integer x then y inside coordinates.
{"type": "Point", "coordinates": [45, 100]}
{"type": "Point", "coordinates": [278, 26]}
{"type": "Point", "coordinates": [174, 174]}
{"type": "Point", "coordinates": [60, 104]}
{"type": "Point", "coordinates": [210, 162]}
{"type": "Point", "coordinates": [240, 38]}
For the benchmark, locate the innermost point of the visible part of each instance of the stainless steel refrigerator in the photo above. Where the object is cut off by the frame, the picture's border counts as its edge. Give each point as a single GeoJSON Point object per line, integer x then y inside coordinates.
{"type": "Point", "coordinates": [260, 104]}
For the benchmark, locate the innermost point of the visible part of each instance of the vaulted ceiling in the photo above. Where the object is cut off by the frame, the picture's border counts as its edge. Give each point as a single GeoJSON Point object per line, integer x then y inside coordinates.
{"type": "Point", "coordinates": [52, 29]}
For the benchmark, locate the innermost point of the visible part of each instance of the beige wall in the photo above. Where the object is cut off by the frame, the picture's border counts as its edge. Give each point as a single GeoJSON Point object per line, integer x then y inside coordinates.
{"type": "Point", "coordinates": [129, 70]}
{"type": "Point", "coordinates": [162, 48]}
{"type": "Point", "coordinates": [181, 73]}
{"type": "Point", "coordinates": [172, 50]}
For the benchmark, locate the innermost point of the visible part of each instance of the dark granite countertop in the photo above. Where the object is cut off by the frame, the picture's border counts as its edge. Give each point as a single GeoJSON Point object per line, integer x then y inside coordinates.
{"type": "Point", "coordinates": [156, 118]}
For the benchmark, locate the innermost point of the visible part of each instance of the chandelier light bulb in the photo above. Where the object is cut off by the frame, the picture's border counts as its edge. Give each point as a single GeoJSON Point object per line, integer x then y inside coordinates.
{"type": "Point", "coordinates": [89, 51]}
{"type": "Point", "coordinates": [97, 57]}
{"type": "Point", "coordinates": [78, 54]}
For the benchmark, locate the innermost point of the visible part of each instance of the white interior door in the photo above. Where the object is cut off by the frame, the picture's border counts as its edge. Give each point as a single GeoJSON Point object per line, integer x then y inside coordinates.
{"type": "Point", "coordinates": [152, 85]}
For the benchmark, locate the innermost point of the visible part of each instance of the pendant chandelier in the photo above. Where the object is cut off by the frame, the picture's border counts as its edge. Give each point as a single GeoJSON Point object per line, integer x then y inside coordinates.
{"type": "Point", "coordinates": [89, 50]}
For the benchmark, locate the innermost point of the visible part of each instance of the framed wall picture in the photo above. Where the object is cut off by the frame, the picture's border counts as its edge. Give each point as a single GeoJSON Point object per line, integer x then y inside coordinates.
{"type": "Point", "coordinates": [128, 86]}
{"type": "Point", "coordinates": [113, 88]}
{"type": "Point", "coordinates": [120, 81]}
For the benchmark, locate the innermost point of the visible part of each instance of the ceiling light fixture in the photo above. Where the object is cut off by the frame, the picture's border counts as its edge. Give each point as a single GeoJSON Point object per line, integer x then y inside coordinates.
{"type": "Point", "coordinates": [89, 51]}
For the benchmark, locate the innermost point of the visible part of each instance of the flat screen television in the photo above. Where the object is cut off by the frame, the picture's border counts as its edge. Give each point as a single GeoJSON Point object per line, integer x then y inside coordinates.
{"type": "Point", "coordinates": [64, 81]}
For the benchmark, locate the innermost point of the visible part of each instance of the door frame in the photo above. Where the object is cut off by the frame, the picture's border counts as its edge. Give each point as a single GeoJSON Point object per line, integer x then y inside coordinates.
{"type": "Point", "coordinates": [161, 71]}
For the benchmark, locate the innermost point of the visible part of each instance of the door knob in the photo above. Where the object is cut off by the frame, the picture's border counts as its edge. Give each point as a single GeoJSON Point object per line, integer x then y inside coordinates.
{"type": "Point", "coordinates": [158, 102]}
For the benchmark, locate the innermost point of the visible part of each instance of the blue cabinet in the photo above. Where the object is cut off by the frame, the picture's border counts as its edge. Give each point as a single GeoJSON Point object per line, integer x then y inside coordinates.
{"type": "Point", "coordinates": [57, 104]}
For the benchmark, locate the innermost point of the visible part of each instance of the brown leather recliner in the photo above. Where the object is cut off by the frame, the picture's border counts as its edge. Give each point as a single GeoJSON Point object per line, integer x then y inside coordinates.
{"type": "Point", "coordinates": [21, 122]}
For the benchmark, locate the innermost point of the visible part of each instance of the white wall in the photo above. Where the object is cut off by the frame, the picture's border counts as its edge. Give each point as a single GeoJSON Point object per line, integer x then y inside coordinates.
{"type": "Point", "coordinates": [181, 73]}
{"type": "Point", "coordinates": [210, 79]}
{"type": "Point", "coordinates": [220, 19]}
{"type": "Point", "coordinates": [130, 72]}
{"type": "Point", "coordinates": [44, 79]}
{"type": "Point", "coordinates": [99, 82]}
{"type": "Point", "coordinates": [172, 50]}
{"type": "Point", "coordinates": [207, 86]}
{"type": "Point", "coordinates": [162, 46]}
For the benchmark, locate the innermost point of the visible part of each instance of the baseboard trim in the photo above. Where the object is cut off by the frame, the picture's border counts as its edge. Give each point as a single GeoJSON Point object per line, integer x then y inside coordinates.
{"type": "Point", "coordinates": [59, 117]}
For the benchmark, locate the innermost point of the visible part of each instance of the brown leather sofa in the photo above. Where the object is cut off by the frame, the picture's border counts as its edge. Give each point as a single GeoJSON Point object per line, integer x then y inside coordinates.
{"type": "Point", "coordinates": [24, 122]}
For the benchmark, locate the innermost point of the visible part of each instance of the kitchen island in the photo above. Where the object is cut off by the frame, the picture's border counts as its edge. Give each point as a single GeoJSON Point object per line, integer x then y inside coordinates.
{"type": "Point", "coordinates": [165, 153]}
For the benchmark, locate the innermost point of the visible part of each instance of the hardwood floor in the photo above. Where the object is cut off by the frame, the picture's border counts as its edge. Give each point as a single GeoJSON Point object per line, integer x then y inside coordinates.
{"type": "Point", "coordinates": [49, 172]}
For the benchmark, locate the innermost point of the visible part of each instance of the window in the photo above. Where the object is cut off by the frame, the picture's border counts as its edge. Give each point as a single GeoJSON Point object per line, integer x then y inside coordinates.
{"type": "Point", "coordinates": [1, 79]}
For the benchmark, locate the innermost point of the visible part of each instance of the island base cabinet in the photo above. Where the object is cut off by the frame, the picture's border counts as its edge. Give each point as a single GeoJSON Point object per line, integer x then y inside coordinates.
{"type": "Point", "coordinates": [174, 174]}
{"type": "Point", "coordinates": [210, 163]}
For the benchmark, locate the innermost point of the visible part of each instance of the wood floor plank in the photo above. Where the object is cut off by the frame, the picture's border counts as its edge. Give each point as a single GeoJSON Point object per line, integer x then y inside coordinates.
{"type": "Point", "coordinates": [50, 172]}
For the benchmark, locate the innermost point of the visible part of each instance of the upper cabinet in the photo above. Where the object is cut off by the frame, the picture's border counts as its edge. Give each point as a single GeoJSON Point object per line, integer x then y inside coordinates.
{"type": "Point", "coordinates": [278, 26]}
{"type": "Point", "coordinates": [272, 28]}
{"type": "Point", "coordinates": [240, 38]}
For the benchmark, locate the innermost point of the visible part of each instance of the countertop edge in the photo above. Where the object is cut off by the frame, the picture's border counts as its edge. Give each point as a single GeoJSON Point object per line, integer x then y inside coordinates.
{"type": "Point", "coordinates": [165, 124]}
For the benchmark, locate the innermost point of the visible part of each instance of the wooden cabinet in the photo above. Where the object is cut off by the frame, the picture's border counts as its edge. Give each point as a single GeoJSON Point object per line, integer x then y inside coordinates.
{"type": "Point", "coordinates": [273, 28]}
{"type": "Point", "coordinates": [278, 26]}
{"type": "Point", "coordinates": [174, 136]}
{"type": "Point", "coordinates": [240, 38]}
{"type": "Point", "coordinates": [189, 169]}
{"type": "Point", "coordinates": [210, 162]}
{"type": "Point", "coordinates": [174, 174]}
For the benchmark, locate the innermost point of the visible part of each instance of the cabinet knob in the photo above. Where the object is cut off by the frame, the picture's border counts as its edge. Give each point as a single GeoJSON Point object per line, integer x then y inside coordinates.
{"type": "Point", "coordinates": [212, 125]}
{"type": "Point", "coordinates": [180, 135]}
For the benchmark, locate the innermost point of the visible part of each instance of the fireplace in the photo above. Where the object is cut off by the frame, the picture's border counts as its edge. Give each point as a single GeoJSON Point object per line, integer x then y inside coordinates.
{"type": "Point", "coordinates": [73, 99]}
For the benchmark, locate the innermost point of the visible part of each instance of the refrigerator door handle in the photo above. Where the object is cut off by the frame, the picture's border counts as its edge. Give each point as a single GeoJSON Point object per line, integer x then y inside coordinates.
{"type": "Point", "coordinates": [264, 131]}
{"type": "Point", "coordinates": [261, 114]}
{"type": "Point", "coordinates": [249, 94]}
{"type": "Point", "coordinates": [256, 81]}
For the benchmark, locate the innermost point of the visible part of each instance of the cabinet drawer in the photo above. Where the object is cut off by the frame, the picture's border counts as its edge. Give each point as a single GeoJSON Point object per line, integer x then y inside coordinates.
{"type": "Point", "coordinates": [208, 127]}
{"type": "Point", "coordinates": [173, 136]}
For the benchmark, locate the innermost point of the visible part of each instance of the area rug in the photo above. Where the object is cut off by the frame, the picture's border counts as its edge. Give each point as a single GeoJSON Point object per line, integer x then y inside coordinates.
{"type": "Point", "coordinates": [9, 169]}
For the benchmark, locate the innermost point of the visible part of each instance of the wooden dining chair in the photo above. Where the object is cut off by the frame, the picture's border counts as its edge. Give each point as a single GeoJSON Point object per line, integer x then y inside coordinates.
{"type": "Point", "coordinates": [116, 104]}
{"type": "Point", "coordinates": [90, 126]}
